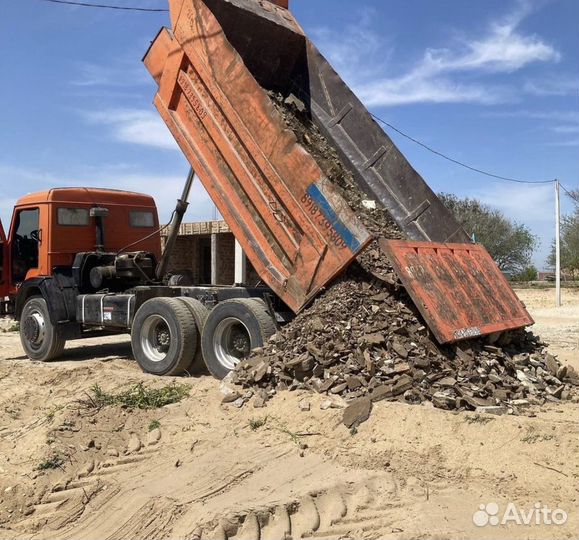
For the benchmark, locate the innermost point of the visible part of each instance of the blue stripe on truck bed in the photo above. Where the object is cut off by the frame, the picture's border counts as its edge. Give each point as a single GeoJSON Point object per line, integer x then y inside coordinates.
{"type": "Point", "coordinates": [319, 198]}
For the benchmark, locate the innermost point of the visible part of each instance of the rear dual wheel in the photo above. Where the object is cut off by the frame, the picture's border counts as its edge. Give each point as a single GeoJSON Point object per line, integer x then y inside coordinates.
{"type": "Point", "coordinates": [232, 330]}
{"type": "Point", "coordinates": [175, 335]}
{"type": "Point", "coordinates": [165, 336]}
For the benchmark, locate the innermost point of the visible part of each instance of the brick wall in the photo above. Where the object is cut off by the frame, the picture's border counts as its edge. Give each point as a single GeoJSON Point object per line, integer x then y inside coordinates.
{"type": "Point", "coordinates": [189, 250]}
{"type": "Point", "coordinates": [188, 255]}
{"type": "Point", "coordinates": [225, 259]}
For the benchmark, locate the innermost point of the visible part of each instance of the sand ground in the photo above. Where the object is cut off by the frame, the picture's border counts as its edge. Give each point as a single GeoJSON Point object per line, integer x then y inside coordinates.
{"type": "Point", "coordinates": [202, 469]}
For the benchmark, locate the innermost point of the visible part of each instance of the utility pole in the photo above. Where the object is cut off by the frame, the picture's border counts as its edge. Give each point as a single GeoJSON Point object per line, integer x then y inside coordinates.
{"type": "Point", "coordinates": [557, 245]}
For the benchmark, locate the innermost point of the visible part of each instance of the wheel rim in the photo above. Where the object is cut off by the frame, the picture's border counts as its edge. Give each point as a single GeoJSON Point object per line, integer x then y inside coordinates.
{"type": "Point", "coordinates": [34, 328]}
{"type": "Point", "coordinates": [231, 342]}
{"type": "Point", "coordinates": [155, 338]}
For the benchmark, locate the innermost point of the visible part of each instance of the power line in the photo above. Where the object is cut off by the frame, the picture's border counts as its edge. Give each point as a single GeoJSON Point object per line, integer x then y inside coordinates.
{"type": "Point", "coordinates": [105, 6]}
{"type": "Point", "coordinates": [455, 161]}
{"type": "Point", "coordinates": [570, 193]}
{"type": "Point", "coordinates": [394, 128]}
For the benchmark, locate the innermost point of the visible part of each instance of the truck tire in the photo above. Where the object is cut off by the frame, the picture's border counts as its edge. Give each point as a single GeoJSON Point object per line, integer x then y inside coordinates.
{"type": "Point", "coordinates": [232, 330]}
{"type": "Point", "coordinates": [199, 313]}
{"type": "Point", "coordinates": [40, 338]}
{"type": "Point", "coordinates": [164, 336]}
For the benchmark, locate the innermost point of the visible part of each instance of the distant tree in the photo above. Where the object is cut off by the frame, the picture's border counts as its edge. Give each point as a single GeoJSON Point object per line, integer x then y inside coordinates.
{"type": "Point", "coordinates": [569, 239]}
{"type": "Point", "coordinates": [510, 244]}
{"type": "Point", "coordinates": [530, 273]}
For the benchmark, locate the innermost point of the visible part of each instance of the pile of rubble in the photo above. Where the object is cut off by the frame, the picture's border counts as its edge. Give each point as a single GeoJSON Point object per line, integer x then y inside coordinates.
{"type": "Point", "coordinates": [363, 339]}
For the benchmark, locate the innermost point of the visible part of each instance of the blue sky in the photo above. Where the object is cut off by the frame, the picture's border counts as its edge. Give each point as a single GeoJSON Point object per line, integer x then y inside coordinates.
{"type": "Point", "coordinates": [494, 83]}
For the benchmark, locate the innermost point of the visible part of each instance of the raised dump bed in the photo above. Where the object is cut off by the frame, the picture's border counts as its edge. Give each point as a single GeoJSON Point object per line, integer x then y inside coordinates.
{"type": "Point", "coordinates": [295, 228]}
{"type": "Point", "coordinates": [215, 68]}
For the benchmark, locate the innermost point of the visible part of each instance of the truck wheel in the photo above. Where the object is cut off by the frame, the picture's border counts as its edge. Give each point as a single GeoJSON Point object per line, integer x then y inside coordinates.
{"type": "Point", "coordinates": [232, 330]}
{"type": "Point", "coordinates": [164, 336]}
{"type": "Point", "coordinates": [40, 338]}
{"type": "Point", "coordinates": [199, 313]}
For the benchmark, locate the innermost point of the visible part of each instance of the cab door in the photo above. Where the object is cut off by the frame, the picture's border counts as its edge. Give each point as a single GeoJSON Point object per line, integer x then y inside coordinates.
{"type": "Point", "coordinates": [4, 279]}
{"type": "Point", "coordinates": [25, 240]}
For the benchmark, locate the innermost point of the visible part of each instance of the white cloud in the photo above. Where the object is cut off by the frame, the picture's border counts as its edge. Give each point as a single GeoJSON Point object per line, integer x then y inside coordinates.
{"type": "Point", "coordinates": [503, 48]}
{"type": "Point", "coordinates": [566, 129]}
{"type": "Point", "coordinates": [565, 143]}
{"type": "Point", "coordinates": [525, 203]}
{"type": "Point", "coordinates": [549, 116]}
{"type": "Point", "coordinates": [531, 204]}
{"type": "Point", "coordinates": [119, 74]}
{"type": "Point", "coordinates": [356, 51]}
{"type": "Point", "coordinates": [136, 126]}
{"type": "Point", "coordinates": [553, 86]}
{"type": "Point", "coordinates": [416, 88]}
{"type": "Point", "coordinates": [166, 189]}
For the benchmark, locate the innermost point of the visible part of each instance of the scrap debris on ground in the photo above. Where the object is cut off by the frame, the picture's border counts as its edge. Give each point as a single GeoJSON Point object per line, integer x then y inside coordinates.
{"type": "Point", "coordinates": [364, 341]}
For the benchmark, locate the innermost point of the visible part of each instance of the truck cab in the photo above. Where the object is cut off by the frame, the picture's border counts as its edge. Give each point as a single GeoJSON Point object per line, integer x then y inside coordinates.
{"type": "Point", "coordinates": [50, 229]}
{"type": "Point", "coordinates": [82, 262]}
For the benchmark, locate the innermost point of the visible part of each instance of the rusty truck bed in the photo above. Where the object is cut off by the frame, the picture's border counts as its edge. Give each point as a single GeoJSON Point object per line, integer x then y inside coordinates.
{"type": "Point", "coordinates": [295, 228]}
{"type": "Point", "coordinates": [214, 68]}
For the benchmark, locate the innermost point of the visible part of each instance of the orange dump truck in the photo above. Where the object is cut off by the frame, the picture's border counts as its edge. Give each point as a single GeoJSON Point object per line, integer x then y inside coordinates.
{"type": "Point", "coordinates": [82, 262]}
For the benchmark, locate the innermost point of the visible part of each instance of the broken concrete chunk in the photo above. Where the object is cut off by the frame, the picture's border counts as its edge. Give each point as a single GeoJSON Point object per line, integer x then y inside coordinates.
{"type": "Point", "coordinates": [260, 371]}
{"type": "Point", "coordinates": [326, 385]}
{"type": "Point", "coordinates": [561, 373]}
{"type": "Point", "coordinates": [238, 403]}
{"type": "Point", "coordinates": [331, 404]}
{"type": "Point", "coordinates": [304, 405]}
{"type": "Point", "coordinates": [293, 101]}
{"type": "Point", "coordinates": [525, 381]}
{"type": "Point", "coordinates": [353, 383]}
{"type": "Point", "coordinates": [556, 391]}
{"type": "Point", "coordinates": [447, 381]}
{"type": "Point", "coordinates": [369, 204]}
{"type": "Point", "coordinates": [552, 365]}
{"type": "Point", "coordinates": [227, 388]}
{"type": "Point", "coordinates": [572, 375]}
{"type": "Point", "coordinates": [443, 401]}
{"type": "Point", "coordinates": [231, 397]}
{"type": "Point", "coordinates": [357, 412]}
{"type": "Point", "coordinates": [399, 349]}
{"type": "Point", "coordinates": [373, 339]}
{"type": "Point", "coordinates": [402, 384]}
{"type": "Point", "coordinates": [382, 392]}
{"type": "Point", "coordinates": [339, 388]}
{"type": "Point", "coordinates": [403, 367]}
